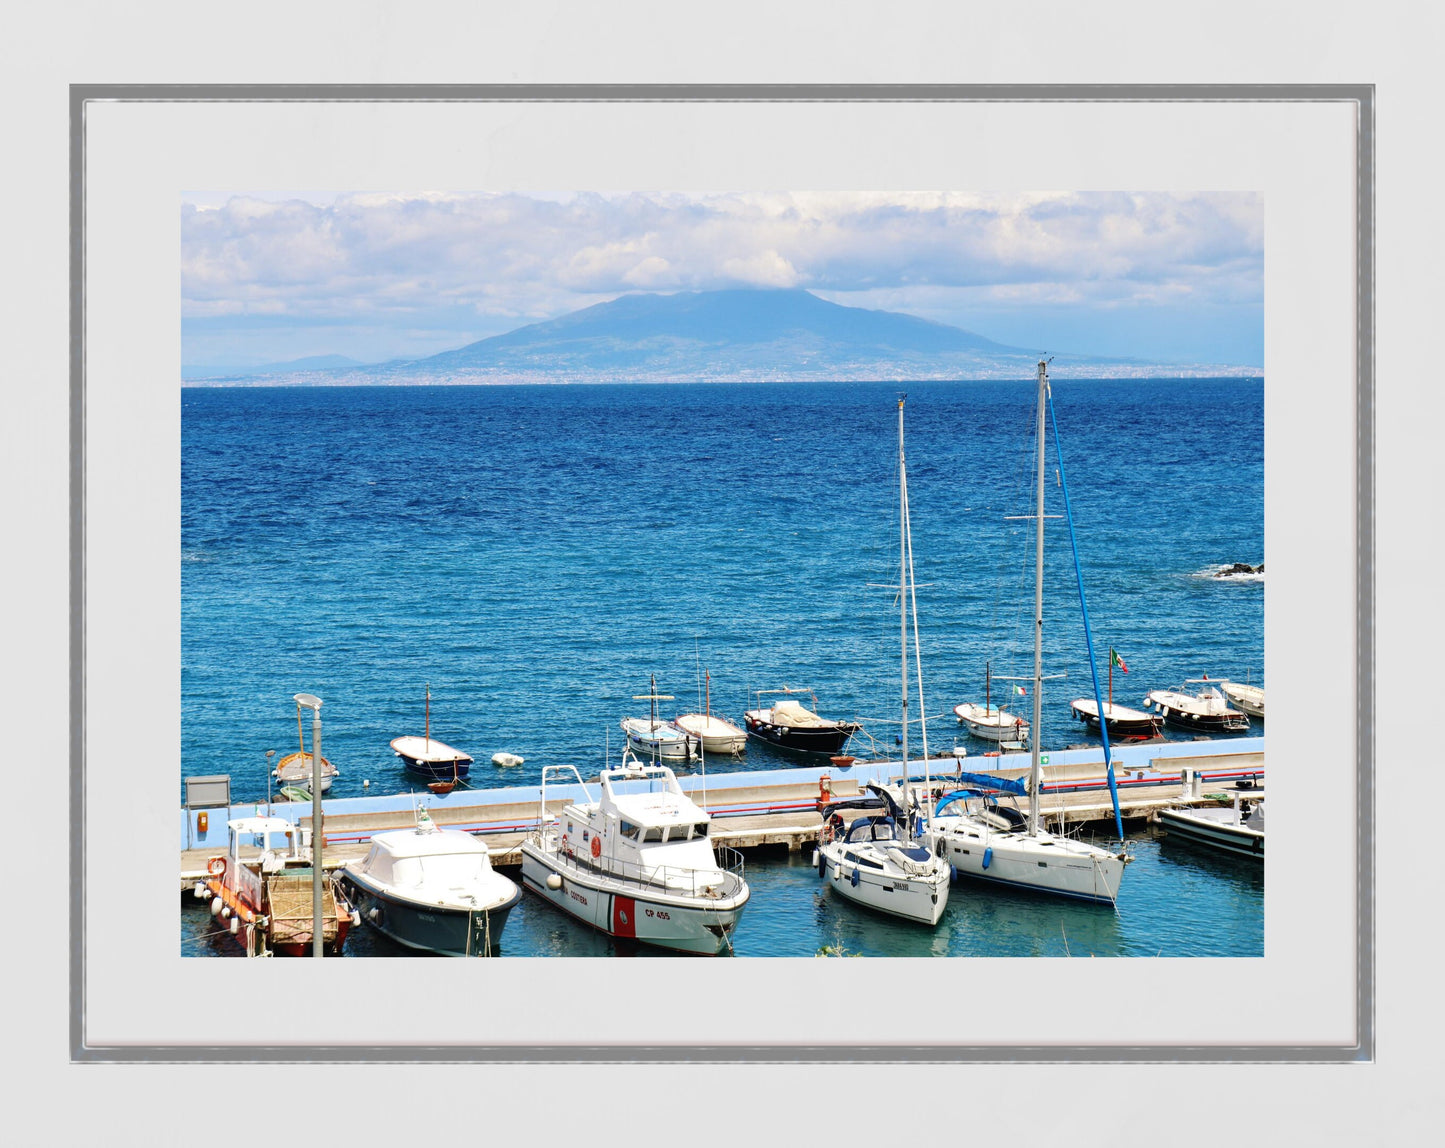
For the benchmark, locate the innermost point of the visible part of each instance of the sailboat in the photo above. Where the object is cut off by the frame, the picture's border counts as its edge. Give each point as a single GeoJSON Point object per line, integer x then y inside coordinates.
{"type": "Point", "coordinates": [978, 839]}
{"type": "Point", "coordinates": [713, 733]}
{"type": "Point", "coordinates": [878, 861]}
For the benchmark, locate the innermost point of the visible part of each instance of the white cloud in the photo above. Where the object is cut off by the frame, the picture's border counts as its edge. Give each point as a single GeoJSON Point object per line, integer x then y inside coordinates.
{"type": "Point", "coordinates": [507, 258]}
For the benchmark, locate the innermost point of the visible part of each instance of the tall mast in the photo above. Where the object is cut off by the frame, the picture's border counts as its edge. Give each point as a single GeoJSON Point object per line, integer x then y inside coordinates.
{"type": "Point", "coordinates": [1034, 770]}
{"type": "Point", "coordinates": [903, 590]}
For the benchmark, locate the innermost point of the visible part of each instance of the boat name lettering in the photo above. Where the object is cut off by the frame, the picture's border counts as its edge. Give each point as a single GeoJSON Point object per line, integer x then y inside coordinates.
{"type": "Point", "coordinates": [660, 915]}
{"type": "Point", "coordinates": [577, 897]}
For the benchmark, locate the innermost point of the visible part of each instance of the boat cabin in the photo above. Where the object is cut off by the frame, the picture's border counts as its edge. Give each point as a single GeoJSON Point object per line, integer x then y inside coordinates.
{"type": "Point", "coordinates": [644, 825]}
{"type": "Point", "coordinates": [415, 860]}
{"type": "Point", "coordinates": [268, 842]}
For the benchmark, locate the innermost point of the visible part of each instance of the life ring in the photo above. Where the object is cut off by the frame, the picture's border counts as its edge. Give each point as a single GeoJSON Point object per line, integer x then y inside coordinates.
{"type": "Point", "coordinates": [216, 865]}
{"type": "Point", "coordinates": [597, 847]}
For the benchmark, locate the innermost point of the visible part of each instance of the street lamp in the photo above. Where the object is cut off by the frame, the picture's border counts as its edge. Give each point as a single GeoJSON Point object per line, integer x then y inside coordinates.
{"type": "Point", "coordinates": [313, 703]}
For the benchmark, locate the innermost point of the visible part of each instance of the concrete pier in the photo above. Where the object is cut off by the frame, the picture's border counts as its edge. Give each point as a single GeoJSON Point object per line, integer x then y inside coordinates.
{"type": "Point", "coordinates": [779, 807]}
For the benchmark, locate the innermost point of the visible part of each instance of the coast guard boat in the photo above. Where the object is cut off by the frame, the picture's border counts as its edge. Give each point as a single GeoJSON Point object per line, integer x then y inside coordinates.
{"type": "Point", "coordinates": [638, 863]}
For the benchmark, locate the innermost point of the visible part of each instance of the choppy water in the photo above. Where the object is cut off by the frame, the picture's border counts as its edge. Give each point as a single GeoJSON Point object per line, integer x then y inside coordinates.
{"type": "Point", "coordinates": [535, 553]}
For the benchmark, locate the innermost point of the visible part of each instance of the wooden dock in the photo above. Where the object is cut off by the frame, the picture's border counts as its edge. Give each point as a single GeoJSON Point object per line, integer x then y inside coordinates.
{"type": "Point", "coordinates": [794, 822]}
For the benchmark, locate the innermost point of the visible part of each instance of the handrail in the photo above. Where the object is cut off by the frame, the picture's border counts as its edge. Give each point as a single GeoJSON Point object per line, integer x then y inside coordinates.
{"type": "Point", "coordinates": [671, 880]}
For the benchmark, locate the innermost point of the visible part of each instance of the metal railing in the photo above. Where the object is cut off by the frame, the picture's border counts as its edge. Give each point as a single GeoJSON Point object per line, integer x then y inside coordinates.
{"type": "Point", "coordinates": [722, 883]}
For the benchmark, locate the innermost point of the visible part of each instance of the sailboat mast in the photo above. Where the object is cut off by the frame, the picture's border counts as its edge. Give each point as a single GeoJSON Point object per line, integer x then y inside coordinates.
{"type": "Point", "coordinates": [1034, 769]}
{"type": "Point", "coordinates": [903, 587]}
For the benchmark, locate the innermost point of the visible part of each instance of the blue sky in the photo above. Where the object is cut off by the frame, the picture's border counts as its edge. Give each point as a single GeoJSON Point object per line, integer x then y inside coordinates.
{"type": "Point", "coordinates": [270, 277]}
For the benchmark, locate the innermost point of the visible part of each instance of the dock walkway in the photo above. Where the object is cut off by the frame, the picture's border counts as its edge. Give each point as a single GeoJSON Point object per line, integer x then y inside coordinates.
{"type": "Point", "coordinates": [755, 816]}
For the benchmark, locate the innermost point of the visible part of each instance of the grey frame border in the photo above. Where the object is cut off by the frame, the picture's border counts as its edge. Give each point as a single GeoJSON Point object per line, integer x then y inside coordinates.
{"type": "Point", "coordinates": [1361, 95]}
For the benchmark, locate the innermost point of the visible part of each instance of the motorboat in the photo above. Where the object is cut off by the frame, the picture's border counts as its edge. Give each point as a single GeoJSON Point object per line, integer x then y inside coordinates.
{"type": "Point", "coordinates": [639, 862]}
{"type": "Point", "coordinates": [262, 891]}
{"type": "Point", "coordinates": [878, 861]}
{"type": "Point", "coordinates": [432, 889]}
{"type": "Point", "coordinates": [1124, 723]}
{"type": "Point", "coordinates": [430, 758]}
{"type": "Point", "coordinates": [1204, 708]}
{"type": "Point", "coordinates": [991, 722]}
{"type": "Point", "coordinates": [1237, 829]}
{"type": "Point", "coordinates": [654, 737]}
{"type": "Point", "coordinates": [789, 724]}
{"type": "Point", "coordinates": [1250, 699]}
{"type": "Point", "coordinates": [985, 841]}
{"type": "Point", "coordinates": [714, 734]}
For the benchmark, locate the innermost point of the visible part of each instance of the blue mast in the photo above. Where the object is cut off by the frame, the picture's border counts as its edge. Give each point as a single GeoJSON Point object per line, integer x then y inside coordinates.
{"type": "Point", "coordinates": [1088, 637]}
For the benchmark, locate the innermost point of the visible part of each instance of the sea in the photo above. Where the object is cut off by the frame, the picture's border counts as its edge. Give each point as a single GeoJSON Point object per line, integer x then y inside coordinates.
{"type": "Point", "coordinates": [541, 558]}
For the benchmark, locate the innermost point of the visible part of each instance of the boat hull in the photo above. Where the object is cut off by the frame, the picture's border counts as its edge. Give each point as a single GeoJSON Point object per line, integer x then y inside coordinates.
{"type": "Point", "coordinates": [919, 898]}
{"type": "Point", "coordinates": [1215, 832]}
{"type": "Point", "coordinates": [666, 748]}
{"type": "Point", "coordinates": [1176, 710]}
{"type": "Point", "coordinates": [444, 930]}
{"type": "Point", "coordinates": [1124, 723]}
{"type": "Point", "coordinates": [1248, 698]}
{"type": "Point", "coordinates": [992, 724]}
{"type": "Point", "coordinates": [627, 910]}
{"type": "Point", "coordinates": [715, 735]}
{"type": "Point", "coordinates": [1061, 868]}
{"type": "Point", "coordinates": [827, 739]}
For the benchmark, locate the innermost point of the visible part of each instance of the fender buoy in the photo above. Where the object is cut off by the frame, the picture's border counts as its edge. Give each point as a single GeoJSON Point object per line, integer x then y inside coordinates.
{"type": "Point", "coordinates": [822, 864]}
{"type": "Point", "coordinates": [216, 865]}
{"type": "Point", "coordinates": [854, 879]}
{"type": "Point", "coordinates": [596, 847]}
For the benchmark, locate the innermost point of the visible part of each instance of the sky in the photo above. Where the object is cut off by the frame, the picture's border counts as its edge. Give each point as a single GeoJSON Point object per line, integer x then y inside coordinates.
{"type": "Point", "coordinates": [275, 276]}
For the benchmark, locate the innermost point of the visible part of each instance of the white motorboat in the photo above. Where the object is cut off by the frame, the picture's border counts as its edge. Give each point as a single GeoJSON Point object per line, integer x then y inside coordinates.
{"type": "Point", "coordinates": [653, 737]}
{"type": "Point", "coordinates": [1203, 708]}
{"type": "Point", "coordinates": [991, 722]}
{"type": "Point", "coordinates": [877, 861]}
{"type": "Point", "coordinates": [1238, 829]}
{"type": "Point", "coordinates": [639, 862]}
{"type": "Point", "coordinates": [1248, 698]}
{"type": "Point", "coordinates": [432, 889]}
{"type": "Point", "coordinates": [983, 841]}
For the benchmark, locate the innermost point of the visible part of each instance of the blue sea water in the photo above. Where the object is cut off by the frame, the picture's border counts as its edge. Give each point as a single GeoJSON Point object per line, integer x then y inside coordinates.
{"type": "Point", "coordinates": [535, 554]}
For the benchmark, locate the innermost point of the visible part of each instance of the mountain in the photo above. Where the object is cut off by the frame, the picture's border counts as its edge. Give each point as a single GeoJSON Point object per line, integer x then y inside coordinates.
{"type": "Point", "coordinates": [290, 367]}
{"type": "Point", "coordinates": [731, 336]}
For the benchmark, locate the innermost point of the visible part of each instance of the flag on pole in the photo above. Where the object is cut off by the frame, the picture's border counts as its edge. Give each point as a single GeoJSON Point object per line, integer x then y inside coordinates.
{"type": "Point", "coordinates": [1020, 691]}
{"type": "Point", "coordinates": [1115, 660]}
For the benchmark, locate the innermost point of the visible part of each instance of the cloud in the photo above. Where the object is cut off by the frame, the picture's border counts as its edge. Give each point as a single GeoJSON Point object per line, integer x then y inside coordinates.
{"type": "Point", "coordinates": [508, 259]}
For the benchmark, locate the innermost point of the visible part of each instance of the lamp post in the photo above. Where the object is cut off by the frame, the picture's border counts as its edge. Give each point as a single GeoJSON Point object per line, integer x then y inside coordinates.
{"type": "Point", "coordinates": [313, 703]}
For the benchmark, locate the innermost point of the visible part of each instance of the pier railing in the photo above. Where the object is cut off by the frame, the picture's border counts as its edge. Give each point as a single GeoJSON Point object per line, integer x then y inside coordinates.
{"type": "Point", "coordinates": [712, 884]}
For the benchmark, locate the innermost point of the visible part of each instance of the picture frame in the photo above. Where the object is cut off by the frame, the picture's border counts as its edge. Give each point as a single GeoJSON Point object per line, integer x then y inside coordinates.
{"type": "Point", "coordinates": [124, 418]}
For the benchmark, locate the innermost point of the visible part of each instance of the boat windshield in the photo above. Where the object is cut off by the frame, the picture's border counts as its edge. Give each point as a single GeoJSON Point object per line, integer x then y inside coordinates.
{"type": "Point", "coordinates": [872, 829]}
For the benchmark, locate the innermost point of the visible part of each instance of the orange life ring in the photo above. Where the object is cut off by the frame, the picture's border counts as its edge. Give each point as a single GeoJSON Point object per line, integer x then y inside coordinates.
{"type": "Point", "coordinates": [216, 865]}
{"type": "Point", "coordinates": [597, 847]}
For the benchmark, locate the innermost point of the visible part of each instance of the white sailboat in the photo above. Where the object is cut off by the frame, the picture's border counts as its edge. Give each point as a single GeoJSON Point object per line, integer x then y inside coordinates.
{"type": "Point", "coordinates": [878, 861]}
{"type": "Point", "coordinates": [979, 840]}
{"type": "Point", "coordinates": [653, 737]}
{"type": "Point", "coordinates": [991, 722]}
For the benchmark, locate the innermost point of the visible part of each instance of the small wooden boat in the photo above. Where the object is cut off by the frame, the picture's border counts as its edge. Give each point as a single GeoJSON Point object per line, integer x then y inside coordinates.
{"type": "Point", "coordinates": [431, 758]}
{"type": "Point", "coordinates": [1248, 698]}
{"type": "Point", "coordinates": [715, 734]}
{"type": "Point", "coordinates": [991, 722]}
{"type": "Point", "coordinates": [1125, 724]}
{"type": "Point", "coordinates": [294, 772]}
{"type": "Point", "coordinates": [652, 738]}
{"type": "Point", "coordinates": [791, 725]}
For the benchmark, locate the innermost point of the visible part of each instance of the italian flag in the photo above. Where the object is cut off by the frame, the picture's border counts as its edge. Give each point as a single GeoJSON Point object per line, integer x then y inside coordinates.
{"type": "Point", "coordinates": [1115, 660]}
{"type": "Point", "coordinates": [1020, 691]}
